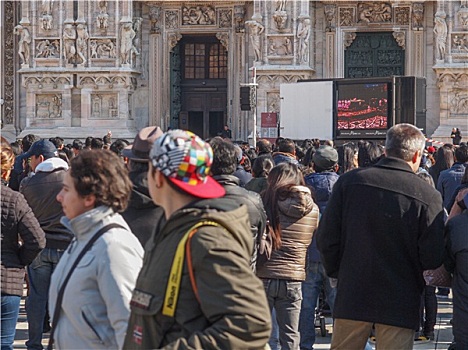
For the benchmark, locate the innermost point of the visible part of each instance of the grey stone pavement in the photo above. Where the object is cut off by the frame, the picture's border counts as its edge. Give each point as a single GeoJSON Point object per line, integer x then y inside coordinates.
{"type": "Point", "coordinates": [443, 330]}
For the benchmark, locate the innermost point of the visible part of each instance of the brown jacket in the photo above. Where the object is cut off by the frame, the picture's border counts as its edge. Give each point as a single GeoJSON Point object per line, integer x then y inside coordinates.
{"type": "Point", "coordinates": [17, 220]}
{"type": "Point", "coordinates": [299, 217]}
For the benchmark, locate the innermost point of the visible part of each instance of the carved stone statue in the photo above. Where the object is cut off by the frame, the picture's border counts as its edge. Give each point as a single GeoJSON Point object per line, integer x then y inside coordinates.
{"type": "Point", "coordinates": [102, 18]}
{"type": "Point", "coordinates": [46, 22]}
{"type": "Point", "coordinates": [82, 42]}
{"type": "Point", "coordinates": [46, 7]}
{"type": "Point", "coordinates": [256, 30]}
{"type": "Point", "coordinates": [303, 34]}
{"type": "Point", "coordinates": [281, 5]}
{"type": "Point", "coordinates": [154, 14]}
{"type": "Point", "coordinates": [127, 34]}
{"type": "Point", "coordinates": [23, 44]}
{"type": "Point", "coordinates": [280, 18]}
{"type": "Point", "coordinates": [69, 41]}
{"type": "Point", "coordinates": [418, 15]}
{"type": "Point", "coordinates": [440, 31]}
{"type": "Point", "coordinates": [330, 11]}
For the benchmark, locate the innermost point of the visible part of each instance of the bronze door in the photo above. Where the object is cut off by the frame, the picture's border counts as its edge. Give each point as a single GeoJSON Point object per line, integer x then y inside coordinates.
{"type": "Point", "coordinates": [374, 55]}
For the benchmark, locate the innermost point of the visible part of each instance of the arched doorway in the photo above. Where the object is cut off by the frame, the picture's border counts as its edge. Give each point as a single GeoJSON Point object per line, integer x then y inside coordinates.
{"type": "Point", "coordinates": [374, 55]}
{"type": "Point", "coordinates": [202, 84]}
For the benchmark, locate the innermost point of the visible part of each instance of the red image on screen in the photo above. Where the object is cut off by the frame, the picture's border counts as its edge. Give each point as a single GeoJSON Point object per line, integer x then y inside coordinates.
{"type": "Point", "coordinates": [362, 106]}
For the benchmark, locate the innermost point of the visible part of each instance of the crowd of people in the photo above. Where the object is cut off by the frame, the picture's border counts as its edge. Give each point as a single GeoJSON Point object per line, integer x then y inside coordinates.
{"type": "Point", "coordinates": [160, 243]}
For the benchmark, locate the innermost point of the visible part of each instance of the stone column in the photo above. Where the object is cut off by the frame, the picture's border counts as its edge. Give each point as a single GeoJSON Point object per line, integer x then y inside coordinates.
{"type": "Point", "coordinates": [156, 52]}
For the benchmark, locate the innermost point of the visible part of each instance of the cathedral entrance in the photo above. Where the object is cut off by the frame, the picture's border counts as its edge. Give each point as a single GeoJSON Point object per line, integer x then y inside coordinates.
{"type": "Point", "coordinates": [203, 85]}
{"type": "Point", "coordinates": [374, 55]}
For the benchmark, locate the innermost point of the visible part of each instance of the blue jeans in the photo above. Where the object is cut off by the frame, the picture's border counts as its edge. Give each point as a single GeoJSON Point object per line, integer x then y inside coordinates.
{"type": "Point", "coordinates": [10, 309]}
{"type": "Point", "coordinates": [285, 297]}
{"type": "Point", "coordinates": [316, 279]}
{"type": "Point", "coordinates": [39, 273]}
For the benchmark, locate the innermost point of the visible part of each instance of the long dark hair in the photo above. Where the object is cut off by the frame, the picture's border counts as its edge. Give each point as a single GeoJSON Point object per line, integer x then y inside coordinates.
{"type": "Point", "coordinates": [444, 160]}
{"type": "Point", "coordinates": [280, 180]}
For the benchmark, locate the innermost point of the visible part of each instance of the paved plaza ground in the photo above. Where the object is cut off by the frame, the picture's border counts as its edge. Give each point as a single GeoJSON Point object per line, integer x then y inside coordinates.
{"type": "Point", "coordinates": [443, 330]}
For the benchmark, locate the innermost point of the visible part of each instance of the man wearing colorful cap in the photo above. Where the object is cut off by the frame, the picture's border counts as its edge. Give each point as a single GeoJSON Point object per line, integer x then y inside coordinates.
{"type": "Point", "coordinates": [40, 190]}
{"type": "Point", "coordinates": [196, 289]}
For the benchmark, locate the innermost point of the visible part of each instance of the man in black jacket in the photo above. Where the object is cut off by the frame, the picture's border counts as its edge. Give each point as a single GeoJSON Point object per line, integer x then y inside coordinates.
{"type": "Point", "coordinates": [222, 169]}
{"type": "Point", "coordinates": [40, 190]}
{"type": "Point", "coordinates": [142, 215]}
{"type": "Point", "coordinates": [383, 226]}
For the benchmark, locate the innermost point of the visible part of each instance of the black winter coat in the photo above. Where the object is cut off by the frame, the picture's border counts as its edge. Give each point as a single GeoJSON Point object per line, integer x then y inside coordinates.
{"type": "Point", "coordinates": [142, 215]}
{"type": "Point", "coordinates": [18, 221]}
{"type": "Point", "coordinates": [383, 226]}
{"type": "Point", "coordinates": [253, 201]}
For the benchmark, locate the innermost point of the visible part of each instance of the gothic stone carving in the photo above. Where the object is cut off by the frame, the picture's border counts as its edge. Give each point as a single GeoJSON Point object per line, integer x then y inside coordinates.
{"type": "Point", "coordinates": [225, 18]}
{"type": "Point", "coordinates": [256, 31]}
{"type": "Point", "coordinates": [47, 48]}
{"type": "Point", "coordinates": [127, 34]}
{"type": "Point", "coordinates": [463, 17]}
{"type": "Point", "coordinates": [173, 39]}
{"type": "Point", "coordinates": [48, 106]}
{"type": "Point", "coordinates": [154, 16]}
{"type": "Point", "coordinates": [303, 35]}
{"type": "Point", "coordinates": [9, 74]}
{"type": "Point", "coordinates": [69, 41]}
{"type": "Point", "coordinates": [279, 46]}
{"type": "Point", "coordinates": [23, 44]}
{"type": "Point", "coordinates": [102, 19]}
{"type": "Point", "coordinates": [273, 102]}
{"type": "Point", "coordinates": [377, 12]}
{"type": "Point", "coordinates": [103, 48]}
{"type": "Point", "coordinates": [459, 103]}
{"type": "Point", "coordinates": [400, 39]}
{"type": "Point", "coordinates": [82, 42]}
{"type": "Point", "coordinates": [280, 16]}
{"type": "Point", "coordinates": [348, 39]}
{"type": "Point", "coordinates": [46, 14]}
{"type": "Point", "coordinates": [440, 31]}
{"type": "Point", "coordinates": [460, 43]}
{"type": "Point", "coordinates": [104, 106]}
{"type": "Point", "coordinates": [347, 16]}
{"type": "Point", "coordinates": [402, 15]}
{"type": "Point", "coordinates": [171, 19]}
{"type": "Point", "coordinates": [198, 15]}
{"type": "Point", "coordinates": [330, 11]}
{"type": "Point", "coordinates": [224, 39]}
{"type": "Point", "coordinates": [418, 15]}
{"type": "Point", "coordinates": [239, 13]}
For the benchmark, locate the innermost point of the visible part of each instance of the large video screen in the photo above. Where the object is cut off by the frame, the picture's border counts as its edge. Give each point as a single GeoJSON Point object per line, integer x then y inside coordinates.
{"type": "Point", "coordinates": [362, 110]}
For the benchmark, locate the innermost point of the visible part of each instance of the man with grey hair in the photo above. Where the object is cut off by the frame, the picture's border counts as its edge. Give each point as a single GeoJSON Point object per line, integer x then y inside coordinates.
{"type": "Point", "coordinates": [382, 227]}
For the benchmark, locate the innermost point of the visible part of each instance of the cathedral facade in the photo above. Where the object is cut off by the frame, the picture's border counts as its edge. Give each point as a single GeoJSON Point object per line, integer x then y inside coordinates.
{"type": "Point", "coordinates": [80, 68]}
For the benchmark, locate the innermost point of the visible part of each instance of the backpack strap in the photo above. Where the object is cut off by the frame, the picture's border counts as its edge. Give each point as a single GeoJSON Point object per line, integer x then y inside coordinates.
{"type": "Point", "coordinates": [58, 303]}
{"type": "Point", "coordinates": [175, 276]}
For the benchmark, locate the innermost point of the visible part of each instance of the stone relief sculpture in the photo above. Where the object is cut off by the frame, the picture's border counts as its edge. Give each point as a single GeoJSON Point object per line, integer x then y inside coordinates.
{"type": "Point", "coordinates": [272, 49]}
{"type": "Point", "coordinates": [223, 39]}
{"type": "Point", "coordinates": [418, 15]}
{"type": "Point", "coordinates": [127, 34]}
{"type": "Point", "coordinates": [23, 44]}
{"type": "Point", "coordinates": [154, 15]}
{"type": "Point", "coordinates": [239, 13]}
{"type": "Point", "coordinates": [69, 41]}
{"type": "Point", "coordinates": [400, 39]}
{"type": "Point", "coordinates": [463, 16]}
{"type": "Point", "coordinates": [102, 18]}
{"type": "Point", "coordinates": [287, 46]}
{"type": "Point", "coordinates": [402, 15]}
{"type": "Point", "coordinates": [346, 16]}
{"type": "Point", "coordinates": [49, 106]}
{"type": "Point", "coordinates": [47, 49]}
{"type": "Point", "coordinates": [280, 16]}
{"type": "Point", "coordinates": [348, 39]}
{"type": "Point", "coordinates": [225, 18]}
{"type": "Point", "coordinates": [303, 34]}
{"type": "Point", "coordinates": [375, 12]}
{"type": "Point", "coordinates": [136, 41]}
{"type": "Point", "coordinates": [460, 43]}
{"type": "Point", "coordinates": [103, 48]}
{"type": "Point", "coordinates": [171, 19]}
{"type": "Point", "coordinates": [256, 30]}
{"type": "Point", "coordinates": [440, 31]}
{"type": "Point", "coordinates": [198, 15]}
{"type": "Point", "coordinates": [459, 104]}
{"type": "Point", "coordinates": [46, 12]}
{"type": "Point", "coordinates": [82, 42]}
{"type": "Point", "coordinates": [330, 11]}
{"type": "Point", "coordinates": [173, 39]}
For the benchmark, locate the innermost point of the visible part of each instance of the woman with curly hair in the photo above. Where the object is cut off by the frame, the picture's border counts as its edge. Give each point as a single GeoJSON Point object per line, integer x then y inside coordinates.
{"type": "Point", "coordinates": [96, 302]}
{"type": "Point", "coordinates": [293, 218]}
{"type": "Point", "coordinates": [18, 224]}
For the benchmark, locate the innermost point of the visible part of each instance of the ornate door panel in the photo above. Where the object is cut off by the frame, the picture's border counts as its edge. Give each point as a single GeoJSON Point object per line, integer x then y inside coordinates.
{"type": "Point", "coordinates": [374, 55]}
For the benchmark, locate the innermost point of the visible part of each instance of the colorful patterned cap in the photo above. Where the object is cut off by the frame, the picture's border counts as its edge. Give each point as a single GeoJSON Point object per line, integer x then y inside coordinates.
{"type": "Point", "coordinates": [185, 159]}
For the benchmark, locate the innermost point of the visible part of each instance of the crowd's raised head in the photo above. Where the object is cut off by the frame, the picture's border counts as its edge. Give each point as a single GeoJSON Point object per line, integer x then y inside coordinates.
{"type": "Point", "coordinates": [325, 158]}
{"type": "Point", "coordinates": [403, 141]}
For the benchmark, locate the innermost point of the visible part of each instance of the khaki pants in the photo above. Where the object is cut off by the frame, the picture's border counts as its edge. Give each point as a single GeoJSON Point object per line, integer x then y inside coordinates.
{"type": "Point", "coordinates": [348, 334]}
